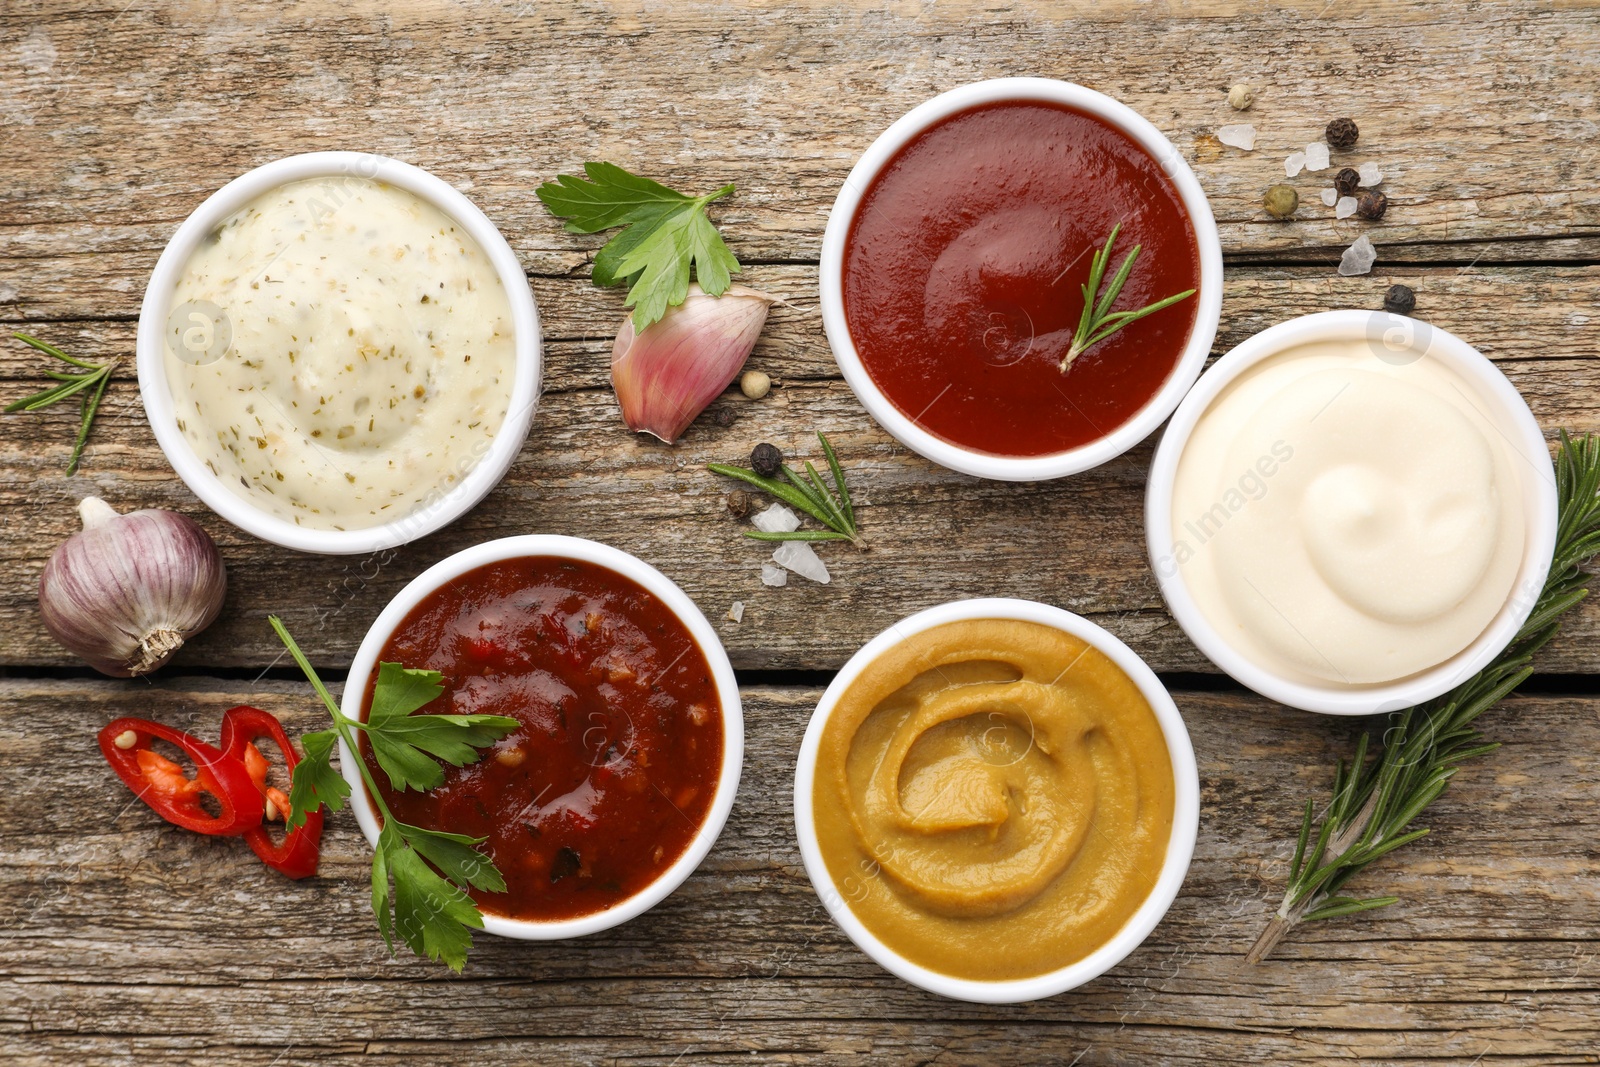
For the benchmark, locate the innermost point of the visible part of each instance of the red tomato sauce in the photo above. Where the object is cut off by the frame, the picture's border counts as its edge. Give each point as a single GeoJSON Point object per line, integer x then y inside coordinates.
{"type": "Point", "coordinates": [963, 266]}
{"type": "Point", "coordinates": [617, 761]}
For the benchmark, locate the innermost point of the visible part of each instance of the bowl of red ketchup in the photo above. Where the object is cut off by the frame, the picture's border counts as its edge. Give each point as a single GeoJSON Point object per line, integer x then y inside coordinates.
{"type": "Point", "coordinates": [953, 268]}
{"type": "Point", "coordinates": [626, 760]}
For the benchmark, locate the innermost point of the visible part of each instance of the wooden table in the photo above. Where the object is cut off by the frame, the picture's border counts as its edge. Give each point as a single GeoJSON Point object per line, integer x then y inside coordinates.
{"type": "Point", "coordinates": [127, 940]}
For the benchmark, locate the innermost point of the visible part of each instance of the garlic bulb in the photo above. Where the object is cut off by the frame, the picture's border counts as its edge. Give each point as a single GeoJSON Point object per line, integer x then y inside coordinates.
{"type": "Point", "coordinates": [126, 591]}
{"type": "Point", "coordinates": [667, 375]}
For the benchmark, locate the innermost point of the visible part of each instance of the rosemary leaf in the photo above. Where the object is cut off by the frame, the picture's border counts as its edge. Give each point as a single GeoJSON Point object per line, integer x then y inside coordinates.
{"type": "Point", "coordinates": [91, 385]}
{"type": "Point", "coordinates": [810, 494]}
{"type": "Point", "coordinates": [1374, 802]}
{"type": "Point", "coordinates": [1098, 321]}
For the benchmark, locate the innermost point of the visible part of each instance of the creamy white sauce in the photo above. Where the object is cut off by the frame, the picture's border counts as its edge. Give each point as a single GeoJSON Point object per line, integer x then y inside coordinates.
{"type": "Point", "coordinates": [371, 360]}
{"type": "Point", "coordinates": [1340, 519]}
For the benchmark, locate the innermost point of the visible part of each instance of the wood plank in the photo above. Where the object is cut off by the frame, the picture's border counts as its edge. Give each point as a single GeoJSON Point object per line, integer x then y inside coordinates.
{"type": "Point", "coordinates": [129, 939]}
{"type": "Point", "coordinates": [118, 128]}
{"type": "Point", "coordinates": [1077, 542]}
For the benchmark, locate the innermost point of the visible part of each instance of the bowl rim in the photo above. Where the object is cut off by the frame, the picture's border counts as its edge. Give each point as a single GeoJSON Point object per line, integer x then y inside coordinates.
{"type": "Point", "coordinates": [984, 464]}
{"type": "Point", "coordinates": [440, 508]}
{"type": "Point", "coordinates": [1180, 845]}
{"type": "Point", "coordinates": [656, 583]}
{"type": "Point", "coordinates": [1490, 385]}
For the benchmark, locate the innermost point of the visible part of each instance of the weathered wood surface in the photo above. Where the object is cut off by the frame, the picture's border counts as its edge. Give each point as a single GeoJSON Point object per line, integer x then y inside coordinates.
{"type": "Point", "coordinates": [126, 941]}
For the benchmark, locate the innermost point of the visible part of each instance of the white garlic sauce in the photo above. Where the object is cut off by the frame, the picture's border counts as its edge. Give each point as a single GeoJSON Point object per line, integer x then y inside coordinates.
{"type": "Point", "coordinates": [372, 353]}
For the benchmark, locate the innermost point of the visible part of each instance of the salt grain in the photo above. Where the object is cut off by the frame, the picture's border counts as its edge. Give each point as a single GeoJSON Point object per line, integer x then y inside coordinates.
{"type": "Point", "coordinates": [799, 557]}
{"type": "Point", "coordinates": [1358, 258]}
{"type": "Point", "coordinates": [1371, 176]}
{"type": "Point", "coordinates": [1242, 136]}
{"type": "Point", "coordinates": [776, 519]}
{"type": "Point", "coordinates": [1330, 196]}
{"type": "Point", "coordinates": [1345, 207]}
{"type": "Point", "coordinates": [772, 574]}
{"type": "Point", "coordinates": [1316, 156]}
{"type": "Point", "coordinates": [736, 611]}
{"type": "Point", "coordinates": [1294, 164]}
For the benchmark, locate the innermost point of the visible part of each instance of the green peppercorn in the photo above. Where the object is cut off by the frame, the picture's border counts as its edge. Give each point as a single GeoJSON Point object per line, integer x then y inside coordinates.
{"type": "Point", "coordinates": [1400, 300]}
{"type": "Point", "coordinates": [766, 460]}
{"type": "Point", "coordinates": [1342, 133]}
{"type": "Point", "coordinates": [1281, 201]}
{"type": "Point", "coordinates": [1371, 204]}
{"type": "Point", "coordinates": [1346, 182]}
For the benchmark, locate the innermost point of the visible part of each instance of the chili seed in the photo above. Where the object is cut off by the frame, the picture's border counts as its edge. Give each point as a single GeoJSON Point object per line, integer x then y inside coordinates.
{"type": "Point", "coordinates": [126, 740]}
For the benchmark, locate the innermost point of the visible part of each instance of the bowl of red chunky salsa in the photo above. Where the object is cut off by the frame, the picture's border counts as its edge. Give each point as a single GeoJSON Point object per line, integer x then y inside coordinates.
{"type": "Point", "coordinates": [953, 270]}
{"type": "Point", "coordinates": [630, 737]}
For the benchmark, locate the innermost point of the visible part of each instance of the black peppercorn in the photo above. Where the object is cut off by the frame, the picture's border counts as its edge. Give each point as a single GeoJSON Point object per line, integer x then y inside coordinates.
{"type": "Point", "coordinates": [1342, 133]}
{"type": "Point", "coordinates": [1371, 204]}
{"type": "Point", "coordinates": [724, 417]}
{"type": "Point", "coordinates": [766, 460]}
{"type": "Point", "coordinates": [738, 503]}
{"type": "Point", "coordinates": [1346, 181]}
{"type": "Point", "coordinates": [1400, 300]}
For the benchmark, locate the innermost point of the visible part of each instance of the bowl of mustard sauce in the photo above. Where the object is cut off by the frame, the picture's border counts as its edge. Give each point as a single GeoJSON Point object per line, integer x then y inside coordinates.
{"type": "Point", "coordinates": [996, 800]}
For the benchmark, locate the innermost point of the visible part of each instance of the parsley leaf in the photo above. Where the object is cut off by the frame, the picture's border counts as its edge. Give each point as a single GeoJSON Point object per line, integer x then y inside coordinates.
{"type": "Point", "coordinates": [434, 917]}
{"type": "Point", "coordinates": [666, 234]}
{"type": "Point", "coordinates": [315, 783]}
{"type": "Point", "coordinates": [430, 870]}
{"type": "Point", "coordinates": [403, 743]}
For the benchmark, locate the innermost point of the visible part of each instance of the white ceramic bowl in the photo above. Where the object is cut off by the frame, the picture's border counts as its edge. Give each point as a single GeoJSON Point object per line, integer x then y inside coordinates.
{"type": "Point", "coordinates": [436, 511]}
{"type": "Point", "coordinates": [1180, 847]}
{"type": "Point", "coordinates": [1499, 399]}
{"type": "Point", "coordinates": [983, 464]}
{"type": "Point", "coordinates": [664, 589]}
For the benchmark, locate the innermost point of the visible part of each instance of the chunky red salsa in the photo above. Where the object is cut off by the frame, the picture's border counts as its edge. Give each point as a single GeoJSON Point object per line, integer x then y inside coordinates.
{"type": "Point", "coordinates": [962, 272]}
{"type": "Point", "coordinates": [618, 758]}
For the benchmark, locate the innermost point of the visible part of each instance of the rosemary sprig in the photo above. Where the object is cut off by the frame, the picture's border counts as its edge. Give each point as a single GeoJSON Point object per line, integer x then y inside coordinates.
{"type": "Point", "coordinates": [811, 495]}
{"type": "Point", "coordinates": [1099, 321]}
{"type": "Point", "coordinates": [1374, 803]}
{"type": "Point", "coordinates": [91, 385]}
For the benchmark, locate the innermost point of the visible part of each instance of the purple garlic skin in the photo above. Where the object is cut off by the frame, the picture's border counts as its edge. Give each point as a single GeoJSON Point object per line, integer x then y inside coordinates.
{"type": "Point", "coordinates": [669, 374]}
{"type": "Point", "coordinates": [126, 591]}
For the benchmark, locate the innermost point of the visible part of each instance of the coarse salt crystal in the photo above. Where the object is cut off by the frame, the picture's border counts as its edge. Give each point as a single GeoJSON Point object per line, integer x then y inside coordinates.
{"type": "Point", "coordinates": [1345, 207]}
{"type": "Point", "coordinates": [1371, 176]}
{"type": "Point", "coordinates": [1241, 135]}
{"type": "Point", "coordinates": [798, 556]}
{"type": "Point", "coordinates": [1330, 196]}
{"type": "Point", "coordinates": [1358, 258]}
{"type": "Point", "coordinates": [773, 575]}
{"type": "Point", "coordinates": [736, 611]}
{"type": "Point", "coordinates": [1317, 156]}
{"type": "Point", "coordinates": [776, 519]}
{"type": "Point", "coordinates": [1294, 164]}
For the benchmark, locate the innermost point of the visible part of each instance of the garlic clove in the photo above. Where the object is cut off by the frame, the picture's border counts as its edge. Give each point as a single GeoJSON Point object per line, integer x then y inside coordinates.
{"type": "Point", "coordinates": [669, 374]}
{"type": "Point", "coordinates": [126, 591]}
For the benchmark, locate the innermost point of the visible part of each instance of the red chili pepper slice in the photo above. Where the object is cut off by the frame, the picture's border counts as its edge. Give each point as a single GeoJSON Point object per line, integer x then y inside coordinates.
{"type": "Point", "coordinates": [297, 853]}
{"type": "Point", "coordinates": [161, 783]}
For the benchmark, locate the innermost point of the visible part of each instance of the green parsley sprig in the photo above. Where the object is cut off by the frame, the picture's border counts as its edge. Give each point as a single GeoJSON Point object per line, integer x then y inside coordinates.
{"type": "Point", "coordinates": [832, 509]}
{"type": "Point", "coordinates": [432, 912]}
{"type": "Point", "coordinates": [665, 232]}
{"type": "Point", "coordinates": [90, 386]}
{"type": "Point", "coordinates": [1375, 802]}
{"type": "Point", "coordinates": [1098, 320]}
